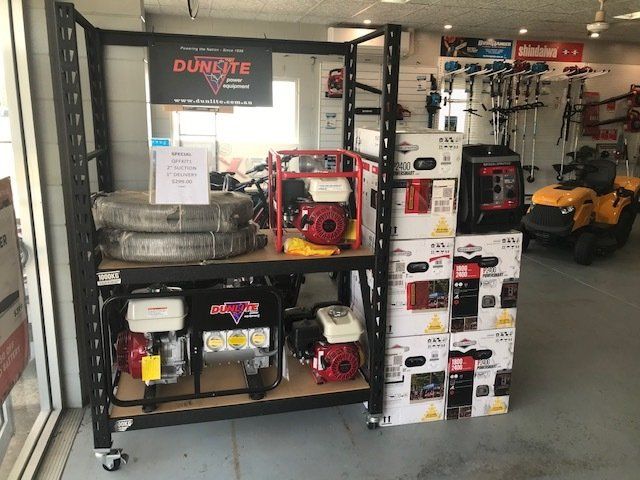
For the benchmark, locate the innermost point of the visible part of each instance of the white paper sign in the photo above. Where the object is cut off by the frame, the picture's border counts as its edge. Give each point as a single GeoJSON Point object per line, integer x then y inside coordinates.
{"type": "Point", "coordinates": [181, 175]}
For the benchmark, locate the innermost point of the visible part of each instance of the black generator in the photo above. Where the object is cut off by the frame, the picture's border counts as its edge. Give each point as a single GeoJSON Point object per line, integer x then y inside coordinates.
{"type": "Point", "coordinates": [491, 189]}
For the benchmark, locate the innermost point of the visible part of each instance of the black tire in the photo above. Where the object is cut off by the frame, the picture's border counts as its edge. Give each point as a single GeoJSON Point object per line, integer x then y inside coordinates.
{"type": "Point", "coordinates": [625, 223]}
{"type": "Point", "coordinates": [585, 249]}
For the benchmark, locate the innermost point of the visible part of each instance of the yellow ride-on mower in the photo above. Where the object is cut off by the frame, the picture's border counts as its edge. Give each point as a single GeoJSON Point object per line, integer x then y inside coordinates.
{"type": "Point", "coordinates": [594, 213]}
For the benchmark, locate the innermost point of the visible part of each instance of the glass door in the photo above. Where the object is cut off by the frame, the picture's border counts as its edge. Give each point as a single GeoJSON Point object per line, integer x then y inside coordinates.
{"type": "Point", "coordinates": [32, 399]}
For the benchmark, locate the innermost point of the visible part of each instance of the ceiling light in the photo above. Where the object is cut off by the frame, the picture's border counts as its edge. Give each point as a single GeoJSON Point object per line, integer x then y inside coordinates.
{"type": "Point", "coordinates": [522, 31]}
{"type": "Point", "coordinates": [367, 22]}
{"type": "Point", "coordinates": [629, 16]}
{"type": "Point", "coordinates": [594, 35]}
{"type": "Point", "coordinates": [448, 27]}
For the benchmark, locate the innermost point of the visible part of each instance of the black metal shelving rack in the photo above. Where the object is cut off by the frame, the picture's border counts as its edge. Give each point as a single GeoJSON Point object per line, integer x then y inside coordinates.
{"type": "Point", "coordinates": [86, 264]}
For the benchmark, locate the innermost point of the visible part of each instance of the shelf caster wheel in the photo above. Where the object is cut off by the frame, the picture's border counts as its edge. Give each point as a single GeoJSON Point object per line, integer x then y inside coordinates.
{"type": "Point", "coordinates": [373, 423]}
{"type": "Point", "coordinates": [531, 179]}
{"type": "Point", "coordinates": [113, 459]}
{"type": "Point", "coordinates": [114, 466]}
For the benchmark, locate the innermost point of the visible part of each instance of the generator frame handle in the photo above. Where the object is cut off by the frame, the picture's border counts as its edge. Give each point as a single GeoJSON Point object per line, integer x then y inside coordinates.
{"type": "Point", "coordinates": [277, 175]}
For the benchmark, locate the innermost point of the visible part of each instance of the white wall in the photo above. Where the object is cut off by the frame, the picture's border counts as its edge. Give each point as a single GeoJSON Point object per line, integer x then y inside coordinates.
{"type": "Point", "coordinates": [124, 67]}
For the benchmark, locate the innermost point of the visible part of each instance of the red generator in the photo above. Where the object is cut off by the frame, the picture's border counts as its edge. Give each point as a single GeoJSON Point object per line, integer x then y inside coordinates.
{"type": "Point", "coordinates": [491, 189]}
{"type": "Point", "coordinates": [317, 193]}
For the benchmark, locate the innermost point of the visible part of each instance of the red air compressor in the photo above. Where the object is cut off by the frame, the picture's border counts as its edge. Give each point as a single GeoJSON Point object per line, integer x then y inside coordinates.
{"type": "Point", "coordinates": [317, 192]}
{"type": "Point", "coordinates": [491, 189]}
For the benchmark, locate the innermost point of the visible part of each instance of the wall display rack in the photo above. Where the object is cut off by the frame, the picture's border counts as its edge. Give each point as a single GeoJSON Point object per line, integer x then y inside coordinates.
{"type": "Point", "coordinates": [96, 279]}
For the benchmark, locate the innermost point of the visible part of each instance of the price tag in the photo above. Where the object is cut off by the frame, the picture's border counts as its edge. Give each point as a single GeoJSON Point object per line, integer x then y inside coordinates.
{"type": "Point", "coordinates": [181, 176]}
{"type": "Point", "coordinates": [151, 368]}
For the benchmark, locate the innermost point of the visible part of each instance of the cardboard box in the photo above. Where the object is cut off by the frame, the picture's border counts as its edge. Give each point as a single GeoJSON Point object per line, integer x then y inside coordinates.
{"type": "Point", "coordinates": [415, 379]}
{"type": "Point", "coordinates": [421, 208]}
{"type": "Point", "coordinates": [479, 376]}
{"type": "Point", "coordinates": [486, 271]}
{"type": "Point", "coordinates": [420, 153]}
{"type": "Point", "coordinates": [419, 293]}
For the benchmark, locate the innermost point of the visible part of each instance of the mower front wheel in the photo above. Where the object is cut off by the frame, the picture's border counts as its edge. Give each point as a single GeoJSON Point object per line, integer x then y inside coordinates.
{"type": "Point", "coordinates": [625, 224]}
{"type": "Point", "coordinates": [585, 248]}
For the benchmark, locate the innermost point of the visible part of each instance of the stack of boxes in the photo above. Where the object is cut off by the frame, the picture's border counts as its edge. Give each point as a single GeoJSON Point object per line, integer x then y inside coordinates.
{"type": "Point", "coordinates": [451, 303]}
{"type": "Point", "coordinates": [423, 224]}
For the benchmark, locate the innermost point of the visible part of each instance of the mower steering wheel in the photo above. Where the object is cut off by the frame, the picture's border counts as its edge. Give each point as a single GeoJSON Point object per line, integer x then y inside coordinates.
{"type": "Point", "coordinates": [585, 168]}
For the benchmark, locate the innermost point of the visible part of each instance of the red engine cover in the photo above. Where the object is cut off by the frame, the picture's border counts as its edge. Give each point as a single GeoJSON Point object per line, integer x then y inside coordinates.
{"type": "Point", "coordinates": [335, 362]}
{"type": "Point", "coordinates": [321, 223]}
{"type": "Point", "coordinates": [130, 348]}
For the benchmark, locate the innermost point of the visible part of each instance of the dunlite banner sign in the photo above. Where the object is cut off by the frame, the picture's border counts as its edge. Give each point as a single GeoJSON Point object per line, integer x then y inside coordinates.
{"type": "Point", "coordinates": [468, 47]}
{"type": "Point", "coordinates": [210, 76]}
{"type": "Point", "coordinates": [549, 51]}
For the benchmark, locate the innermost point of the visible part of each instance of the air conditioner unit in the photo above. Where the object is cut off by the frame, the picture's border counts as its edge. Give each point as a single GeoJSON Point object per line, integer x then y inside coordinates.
{"type": "Point", "coordinates": [372, 47]}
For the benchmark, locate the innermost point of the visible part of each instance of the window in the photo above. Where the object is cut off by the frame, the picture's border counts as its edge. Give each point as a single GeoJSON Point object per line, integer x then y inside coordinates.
{"type": "Point", "coordinates": [276, 125]}
{"type": "Point", "coordinates": [237, 141]}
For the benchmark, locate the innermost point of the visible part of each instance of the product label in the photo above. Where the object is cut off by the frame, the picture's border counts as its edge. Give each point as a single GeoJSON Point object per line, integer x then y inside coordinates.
{"type": "Point", "coordinates": [442, 196]}
{"type": "Point", "coordinates": [108, 278]}
{"type": "Point", "coordinates": [151, 368]}
{"type": "Point", "coordinates": [122, 425]}
{"type": "Point", "coordinates": [157, 311]}
{"type": "Point", "coordinates": [464, 271]}
{"type": "Point", "coordinates": [461, 364]}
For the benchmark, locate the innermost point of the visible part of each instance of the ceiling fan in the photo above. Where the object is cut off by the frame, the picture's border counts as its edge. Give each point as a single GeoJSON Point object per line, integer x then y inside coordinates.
{"type": "Point", "coordinates": [600, 23]}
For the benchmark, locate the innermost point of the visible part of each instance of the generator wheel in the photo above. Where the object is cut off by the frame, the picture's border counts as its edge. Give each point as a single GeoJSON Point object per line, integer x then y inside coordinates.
{"type": "Point", "coordinates": [585, 248]}
{"type": "Point", "coordinates": [625, 223]}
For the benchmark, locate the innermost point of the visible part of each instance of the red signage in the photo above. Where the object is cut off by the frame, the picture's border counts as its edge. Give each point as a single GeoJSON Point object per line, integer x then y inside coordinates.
{"type": "Point", "coordinates": [549, 51]}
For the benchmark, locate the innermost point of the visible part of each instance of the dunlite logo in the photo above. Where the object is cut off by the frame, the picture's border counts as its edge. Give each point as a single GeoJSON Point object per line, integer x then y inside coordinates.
{"type": "Point", "coordinates": [214, 69]}
{"type": "Point", "coordinates": [237, 310]}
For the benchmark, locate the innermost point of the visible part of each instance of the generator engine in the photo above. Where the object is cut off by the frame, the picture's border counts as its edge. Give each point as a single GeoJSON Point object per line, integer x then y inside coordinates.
{"type": "Point", "coordinates": [155, 348]}
{"type": "Point", "coordinates": [137, 352]}
{"type": "Point", "coordinates": [321, 213]}
{"type": "Point", "coordinates": [318, 193]}
{"type": "Point", "coordinates": [328, 341]}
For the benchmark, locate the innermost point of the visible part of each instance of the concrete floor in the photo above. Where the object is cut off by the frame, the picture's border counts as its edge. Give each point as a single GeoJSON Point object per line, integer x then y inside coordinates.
{"type": "Point", "coordinates": [25, 399]}
{"type": "Point", "coordinates": [575, 405]}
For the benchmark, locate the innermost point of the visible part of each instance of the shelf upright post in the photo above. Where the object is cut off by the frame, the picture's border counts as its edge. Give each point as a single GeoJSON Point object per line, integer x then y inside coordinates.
{"type": "Point", "coordinates": [61, 26]}
{"type": "Point", "coordinates": [348, 138]}
{"type": "Point", "coordinates": [388, 105]}
{"type": "Point", "coordinates": [97, 87]}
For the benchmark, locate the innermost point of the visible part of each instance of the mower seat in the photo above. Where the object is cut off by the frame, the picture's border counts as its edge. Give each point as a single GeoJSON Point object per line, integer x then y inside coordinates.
{"type": "Point", "coordinates": [602, 180]}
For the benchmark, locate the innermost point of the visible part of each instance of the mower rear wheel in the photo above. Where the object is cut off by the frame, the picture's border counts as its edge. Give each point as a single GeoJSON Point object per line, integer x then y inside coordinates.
{"type": "Point", "coordinates": [625, 223]}
{"type": "Point", "coordinates": [585, 248]}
